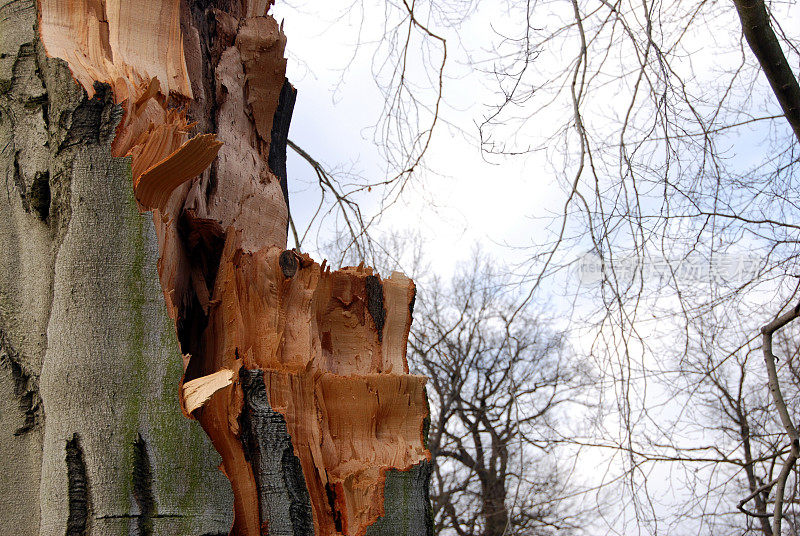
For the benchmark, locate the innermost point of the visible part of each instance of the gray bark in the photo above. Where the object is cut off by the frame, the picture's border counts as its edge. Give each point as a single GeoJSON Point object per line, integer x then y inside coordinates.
{"type": "Point", "coordinates": [407, 504]}
{"type": "Point", "coordinates": [283, 496]}
{"type": "Point", "coordinates": [91, 435]}
{"type": "Point", "coordinates": [766, 48]}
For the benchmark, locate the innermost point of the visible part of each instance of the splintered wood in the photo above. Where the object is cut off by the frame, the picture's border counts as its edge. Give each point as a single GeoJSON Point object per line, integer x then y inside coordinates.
{"type": "Point", "coordinates": [297, 373]}
{"type": "Point", "coordinates": [118, 42]}
{"type": "Point", "coordinates": [134, 47]}
{"type": "Point", "coordinates": [351, 408]}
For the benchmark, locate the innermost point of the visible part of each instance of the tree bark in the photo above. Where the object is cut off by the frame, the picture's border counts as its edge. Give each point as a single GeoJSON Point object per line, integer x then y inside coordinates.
{"type": "Point", "coordinates": [493, 506]}
{"type": "Point", "coordinates": [765, 46]}
{"type": "Point", "coordinates": [297, 374]}
{"type": "Point", "coordinates": [92, 440]}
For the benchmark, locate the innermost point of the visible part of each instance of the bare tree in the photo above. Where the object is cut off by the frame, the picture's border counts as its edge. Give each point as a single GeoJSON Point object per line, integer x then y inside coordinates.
{"type": "Point", "coordinates": [499, 384]}
{"type": "Point", "coordinates": [408, 59]}
{"type": "Point", "coordinates": [656, 100]}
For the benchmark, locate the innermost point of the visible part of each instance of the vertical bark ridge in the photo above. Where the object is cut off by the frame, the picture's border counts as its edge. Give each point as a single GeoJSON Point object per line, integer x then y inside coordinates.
{"type": "Point", "coordinates": [110, 346]}
{"type": "Point", "coordinates": [143, 487]}
{"type": "Point", "coordinates": [78, 489]}
{"type": "Point", "coordinates": [279, 477]}
{"type": "Point", "coordinates": [39, 195]}
{"type": "Point", "coordinates": [29, 235]}
{"type": "Point", "coordinates": [26, 386]}
{"type": "Point", "coordinates": [280, 135]}
{"type": "Point", "coordinates": [377, 311]}
{"type": "Point", "coordinates": [19, 182]}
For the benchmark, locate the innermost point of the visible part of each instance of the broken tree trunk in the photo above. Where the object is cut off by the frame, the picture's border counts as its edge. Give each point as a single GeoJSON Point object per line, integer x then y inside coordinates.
{"type": "Point", "coordinates": [92, 440]}
{"type": "Point", "coordinates": [296, 373]}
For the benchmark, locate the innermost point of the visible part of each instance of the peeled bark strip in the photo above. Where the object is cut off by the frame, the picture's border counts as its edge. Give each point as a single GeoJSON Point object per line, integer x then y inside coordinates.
{"type": "Point", "coordinates": [198, 391]}
{"type": "Point", "coordinates": [137, 49]}
{"type": "Point", "coordinates": [297, 374]}
{"type": "Point", "coordinates": [277, 470]}
{"type": "Point", "coordinates": [154, 186]}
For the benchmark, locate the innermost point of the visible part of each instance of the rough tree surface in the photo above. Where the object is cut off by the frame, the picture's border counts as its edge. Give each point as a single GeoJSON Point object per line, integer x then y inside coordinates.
{"type": "Point", "coordinates": [88, 359]}
{"type": "Point", "coordinates": [297, 374]}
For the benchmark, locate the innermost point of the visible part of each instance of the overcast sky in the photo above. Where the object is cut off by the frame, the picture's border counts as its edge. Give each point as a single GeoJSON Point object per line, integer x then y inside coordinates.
{"type": "Point", "coordinates": [463, 199]}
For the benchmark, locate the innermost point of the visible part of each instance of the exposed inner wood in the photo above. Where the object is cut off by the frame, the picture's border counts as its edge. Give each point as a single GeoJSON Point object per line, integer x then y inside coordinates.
{"type": "Point", "coordinates": [198, 391]}
{"type": "Point", "coordinates": [121, 43]}
{"type": "Point", "coordinates": [350, 417]}
{"type": "Point", "coordinates": [329, 345]}
{"type": "Point", "coordinates": [137, 49]}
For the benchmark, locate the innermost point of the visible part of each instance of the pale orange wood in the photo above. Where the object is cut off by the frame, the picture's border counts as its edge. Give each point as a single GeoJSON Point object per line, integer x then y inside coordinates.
{"type": "Point", "coordinates": [215, 418]}
{"type": "Point", "coordinates": [155, 185]}
{"type": "Point", "coordinates": [351, 414]}
{"type": "Point", "coordinates": [198, 391]}
{"type": "Point", "coordinates": [399, 292]}
{"type": "Point", "coordinates": [261, 43]}
{"type": "Point", "coordinates": [136, 48]}
{"type": "Point", "coordinates": [247, 196]}
{"type": "Point", "coordinates": [119, 42]}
